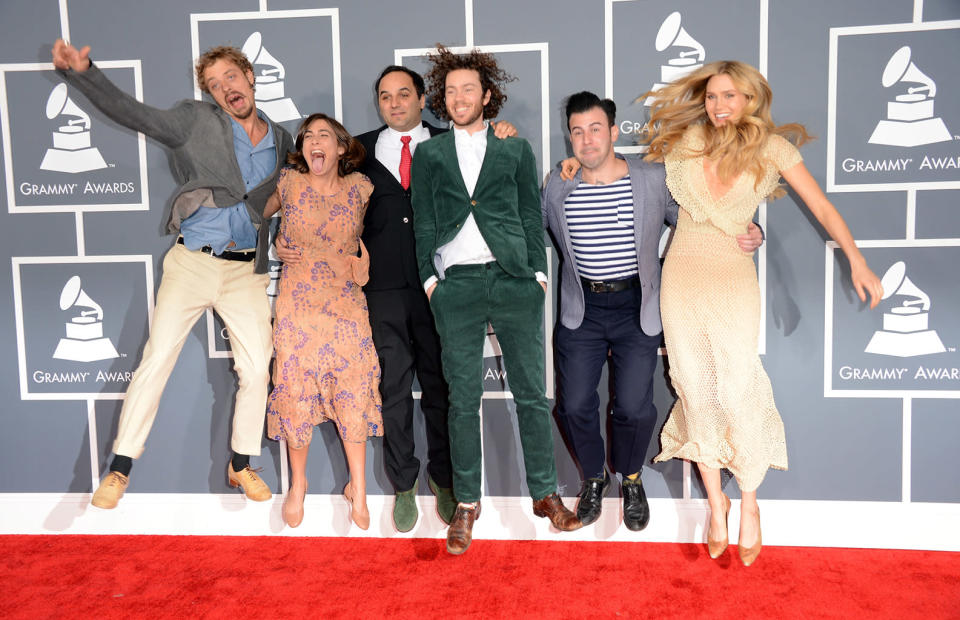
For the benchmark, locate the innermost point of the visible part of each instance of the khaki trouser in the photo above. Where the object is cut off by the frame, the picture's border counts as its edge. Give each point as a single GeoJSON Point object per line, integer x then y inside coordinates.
{"type": "Point", "coordinates": [192, 282]}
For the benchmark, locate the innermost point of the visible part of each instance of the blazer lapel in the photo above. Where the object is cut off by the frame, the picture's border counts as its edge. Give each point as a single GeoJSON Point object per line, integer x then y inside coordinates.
{"type": "Point", "coordinates": [561, 214]}
{"type": "Point", "coordinates": [638, 183]}
{"type": "Point", "coordinates": [490, 158]}
{"type": "Point", "coordinates": [448, 145]}
{"type": "Point", "coordinates": [369, 143]}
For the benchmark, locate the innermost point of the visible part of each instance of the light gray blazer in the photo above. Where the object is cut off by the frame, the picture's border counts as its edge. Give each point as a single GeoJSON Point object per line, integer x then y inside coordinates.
{"type": "Point", "coordinates": [653, 205]}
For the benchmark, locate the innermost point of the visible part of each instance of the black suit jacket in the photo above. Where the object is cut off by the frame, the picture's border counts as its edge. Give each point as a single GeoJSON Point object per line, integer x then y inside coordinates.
{"type": "Point", "coordinates": [388, 224]}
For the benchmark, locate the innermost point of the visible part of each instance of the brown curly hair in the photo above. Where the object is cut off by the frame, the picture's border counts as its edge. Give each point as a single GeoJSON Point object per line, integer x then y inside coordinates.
{"type": "Point", "coordinates": [492, 79]}
{"type": "Point", "coordinates": [353, 151]}
{"type": "Point", "coordinates": [214, 54]}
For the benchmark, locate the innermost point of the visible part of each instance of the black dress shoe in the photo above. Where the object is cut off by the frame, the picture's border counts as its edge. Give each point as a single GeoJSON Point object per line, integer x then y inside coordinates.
{"type": "Point", "coordinates": [591, 498]}
{"type": "Point", "coordinates": [636, 510]}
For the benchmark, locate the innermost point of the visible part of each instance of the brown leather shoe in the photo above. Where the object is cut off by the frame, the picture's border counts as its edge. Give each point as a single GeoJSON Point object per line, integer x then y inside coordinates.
{"type": "Point", "coordinates": [248, 480]}
{"type": "Point", "coordinates": [460, 532]}
{"type": "Point", "coordinates": [552, 508]}
{"type": "Point", "coordinates": [110, 491]}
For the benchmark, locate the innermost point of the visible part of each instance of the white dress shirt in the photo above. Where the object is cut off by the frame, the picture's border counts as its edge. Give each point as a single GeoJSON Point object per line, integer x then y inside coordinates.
{"type": "Point", "coordinates": [468, 247]}
{"type": "Point", "coordinates": [388, 146]}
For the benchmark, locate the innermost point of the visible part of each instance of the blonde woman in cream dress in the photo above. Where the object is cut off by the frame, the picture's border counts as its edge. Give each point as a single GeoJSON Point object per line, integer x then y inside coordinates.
{"type": "Point", "coordinates": [723, 156]}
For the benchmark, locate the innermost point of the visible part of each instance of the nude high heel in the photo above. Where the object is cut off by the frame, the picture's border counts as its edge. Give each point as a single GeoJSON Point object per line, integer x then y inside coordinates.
{"type": "Point", "coordinates": [293, 511]}
{"type": "Point", "coordinates": [717, 547]}
{"type": "Point", "coordinates": [748, 555]}
{"type": "Point", "coordinates": [362, 521]}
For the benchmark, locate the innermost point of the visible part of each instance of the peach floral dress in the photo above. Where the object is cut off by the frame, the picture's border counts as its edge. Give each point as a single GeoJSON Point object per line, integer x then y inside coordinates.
{"type": "Point", "coordinates": [326, 366]}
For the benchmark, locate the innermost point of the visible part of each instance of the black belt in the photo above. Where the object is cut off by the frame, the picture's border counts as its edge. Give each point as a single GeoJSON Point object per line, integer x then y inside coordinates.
{"type": "Point", "coordinates": [610, 286]}
{"type": "Point", "coordinates": [244, 257]}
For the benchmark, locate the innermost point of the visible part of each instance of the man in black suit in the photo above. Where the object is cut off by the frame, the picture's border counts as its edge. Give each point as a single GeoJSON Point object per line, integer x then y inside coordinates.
{"type": "Point", "coordinates": [403, 329]}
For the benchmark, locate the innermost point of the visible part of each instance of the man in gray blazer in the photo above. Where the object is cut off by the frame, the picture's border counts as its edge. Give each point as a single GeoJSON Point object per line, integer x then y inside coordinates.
{"type": "Point", "coordinates": [606, 223]}
{"type": "Point", "coordinates": [226, 158]}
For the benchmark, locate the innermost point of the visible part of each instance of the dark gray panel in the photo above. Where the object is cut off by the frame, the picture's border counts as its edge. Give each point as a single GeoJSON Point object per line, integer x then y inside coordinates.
{"type": "Point", "coordinates": [933, 449]}
{"type": "Point", "coordinates": [938, 214]}
{"type": "Point", "coordinates": [46, 448]}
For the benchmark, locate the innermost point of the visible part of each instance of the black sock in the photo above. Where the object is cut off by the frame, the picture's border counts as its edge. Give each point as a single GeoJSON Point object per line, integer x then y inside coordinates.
{"type": "Point", "coordinates": [240, 461]}
{"type": "Point", "coordinates": [121, 464]}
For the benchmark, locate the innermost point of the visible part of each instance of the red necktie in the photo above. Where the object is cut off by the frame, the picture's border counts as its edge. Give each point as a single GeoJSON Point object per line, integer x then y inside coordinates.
{"type": "Point", "coordinates": [406, 159]}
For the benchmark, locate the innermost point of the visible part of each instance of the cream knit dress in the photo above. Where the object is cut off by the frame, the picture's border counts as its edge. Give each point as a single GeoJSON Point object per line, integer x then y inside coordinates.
{"type": "Point", "coordinates": [724, 416]}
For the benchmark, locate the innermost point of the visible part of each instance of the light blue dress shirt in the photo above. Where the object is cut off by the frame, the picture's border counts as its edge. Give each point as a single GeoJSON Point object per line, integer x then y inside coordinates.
{"type": "Point", "coordinates": [217, 227]}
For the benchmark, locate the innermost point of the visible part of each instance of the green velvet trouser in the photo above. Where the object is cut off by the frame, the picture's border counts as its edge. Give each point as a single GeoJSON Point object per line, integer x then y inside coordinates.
{"type": "Point", "coordinates": [463, 303]}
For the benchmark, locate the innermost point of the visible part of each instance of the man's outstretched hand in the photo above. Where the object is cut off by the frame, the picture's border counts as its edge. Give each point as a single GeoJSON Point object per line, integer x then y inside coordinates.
{"type": "Point", "coordinates": [66, 56]}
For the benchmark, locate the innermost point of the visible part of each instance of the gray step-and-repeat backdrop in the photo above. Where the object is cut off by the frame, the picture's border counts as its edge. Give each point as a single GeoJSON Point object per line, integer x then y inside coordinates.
{"type": "Point", "coordinates": [868, 398]}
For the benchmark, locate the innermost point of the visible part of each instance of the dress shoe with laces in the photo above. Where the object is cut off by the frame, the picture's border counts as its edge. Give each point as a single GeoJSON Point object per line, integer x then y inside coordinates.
{"type": "Point", "coordinates": [248, 481]}
{"type": "Point", "coordinates": [460, 532]}
{"type": "Point", "coordinates": [552, 508]}
{"type": "Point", "coordinates": [446, 502]}
{"type": "Point", "coordinates": [636, 510]}
{"type": "Point", "coordinates": [591, 499]}
{"type": "Point", "coordinates": [405, 511]}
{"type": "Point", "coordinates": [110, 491]}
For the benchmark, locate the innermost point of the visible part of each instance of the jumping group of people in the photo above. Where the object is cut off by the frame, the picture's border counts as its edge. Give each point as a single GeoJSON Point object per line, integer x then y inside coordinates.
{"type": "Point", "coordinates": [394, 265]}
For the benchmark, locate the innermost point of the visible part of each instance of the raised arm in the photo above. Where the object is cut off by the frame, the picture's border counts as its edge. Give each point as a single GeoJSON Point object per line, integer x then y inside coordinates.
{"type": "Point", "coordinates": [864, 280]}
{"type": "Point", "coordinates": [169, 127]}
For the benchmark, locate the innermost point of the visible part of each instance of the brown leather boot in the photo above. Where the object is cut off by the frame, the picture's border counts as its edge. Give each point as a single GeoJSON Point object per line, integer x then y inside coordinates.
{"type": "Point", "coordinates": [460, 532]}
{"type": "Point", "coordinates": [552, 508]}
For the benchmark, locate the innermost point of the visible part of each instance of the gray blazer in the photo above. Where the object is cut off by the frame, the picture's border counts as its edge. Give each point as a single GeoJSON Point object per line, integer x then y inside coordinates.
{"type": "Point", "coordinates": [652, 204]}
{"type": "Point", "coordinates": [200, 138]}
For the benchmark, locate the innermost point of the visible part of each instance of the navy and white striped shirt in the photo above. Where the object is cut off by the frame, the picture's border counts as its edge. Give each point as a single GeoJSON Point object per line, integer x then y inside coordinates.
{"type": "Point", "coordinates": [600, 220]}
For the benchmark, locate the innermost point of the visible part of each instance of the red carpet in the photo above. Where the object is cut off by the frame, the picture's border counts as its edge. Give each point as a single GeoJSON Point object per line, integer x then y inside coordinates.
{"type": "Point", "coordinates": [221, 577]}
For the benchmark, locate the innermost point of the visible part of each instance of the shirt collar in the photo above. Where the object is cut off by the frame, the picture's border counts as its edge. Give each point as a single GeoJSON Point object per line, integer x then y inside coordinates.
{"type": "Point", "coordinates": [463, 134]}
{"type": "Point", "coordinates": [239, 133]}
{"type": "Point", "coordinates": [393, 135]}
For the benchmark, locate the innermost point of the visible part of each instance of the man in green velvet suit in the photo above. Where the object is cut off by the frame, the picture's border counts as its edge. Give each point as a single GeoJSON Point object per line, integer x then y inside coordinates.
{"type": "Point", "coordinates": [481, 255]}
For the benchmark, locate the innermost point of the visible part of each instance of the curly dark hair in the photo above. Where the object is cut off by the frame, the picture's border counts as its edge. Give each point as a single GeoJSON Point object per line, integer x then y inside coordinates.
{"type": "Point", "coordinates": [492, 79]}
{"type": "Point", "coordinates": [353, 151]}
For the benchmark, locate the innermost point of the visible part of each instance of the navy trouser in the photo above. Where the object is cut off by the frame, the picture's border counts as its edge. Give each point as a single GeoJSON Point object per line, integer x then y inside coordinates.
{"type": "Point", "coordinates": [611, 323]}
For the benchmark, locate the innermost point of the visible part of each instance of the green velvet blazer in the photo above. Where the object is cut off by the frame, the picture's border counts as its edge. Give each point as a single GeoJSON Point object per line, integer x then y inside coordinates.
{"type": "Point", "coordinates": [505, 204]}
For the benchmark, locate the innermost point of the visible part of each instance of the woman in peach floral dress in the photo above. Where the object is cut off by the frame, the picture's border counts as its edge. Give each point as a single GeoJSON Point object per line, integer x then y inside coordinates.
{"type": "Point", "coordinates": [326, 367]}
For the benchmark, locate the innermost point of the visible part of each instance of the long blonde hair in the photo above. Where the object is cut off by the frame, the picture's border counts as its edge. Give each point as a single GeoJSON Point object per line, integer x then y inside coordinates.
{"type": "Point", "coordinates": [736, 147]}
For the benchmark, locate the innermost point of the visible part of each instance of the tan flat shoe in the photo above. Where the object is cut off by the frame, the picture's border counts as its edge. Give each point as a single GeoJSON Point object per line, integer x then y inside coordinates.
{"type": "Point", "coordinates": [362, 520]}
{"type": "Point", "coordinates": [293, 508]}
{"type": "Point", "coordinates": [717, 547]}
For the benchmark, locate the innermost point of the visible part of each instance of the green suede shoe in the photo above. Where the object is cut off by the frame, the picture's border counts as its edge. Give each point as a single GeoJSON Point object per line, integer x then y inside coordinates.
{"type": "Point", "coordinates": [446, 502]}
{"type": "Point", "coordinates": [405, 509]}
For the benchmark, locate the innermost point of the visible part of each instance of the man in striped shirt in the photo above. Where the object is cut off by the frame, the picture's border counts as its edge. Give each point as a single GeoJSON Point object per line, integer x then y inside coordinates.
{"type": "Point", "coordinates": [606, 223]}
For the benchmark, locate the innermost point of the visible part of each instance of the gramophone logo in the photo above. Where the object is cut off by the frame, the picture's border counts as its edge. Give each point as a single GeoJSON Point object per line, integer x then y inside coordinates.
{"type": "Point", "coordinates": [269, 92]}
{"type": "Point", "coordinates": [689, 53]}
{"type": "Point", "coordinates": [910, 117]}
{"type": "Point", "coordinates": [84, 341]}
{"type": "Point", "coordinates": [71, 150]}
{"type": "Point", "coordinates": [905, 330]}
